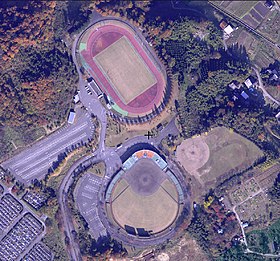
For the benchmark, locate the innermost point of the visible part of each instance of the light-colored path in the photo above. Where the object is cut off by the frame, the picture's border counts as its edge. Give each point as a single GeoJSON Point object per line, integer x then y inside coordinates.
{"type": "Point", "coordinates": [265, 93]}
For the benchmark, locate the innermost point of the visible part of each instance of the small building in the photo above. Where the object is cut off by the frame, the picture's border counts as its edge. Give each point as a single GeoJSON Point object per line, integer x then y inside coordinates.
{"type": "Point", "coordinates": [274, 77]}
{"type": "Point", "coordinates": [245, 224]}
{"type": "Point", "coordinates": [220, 231]}
{"type": "Point", "coordinates": [233, 86]}
{"type": "Point", "coordinates": [76, 98]}
{"type": "Point", "coordinates": [71, 117]}
{"type": "Point", "coordinates": [248, 83]}
{"type": "Point", "coordinates": [278, 116]}
{"type": "Point", "coordinates": [268, 4]}
{"type": "Point", "coordinates": [228, 30]}
{"type": "Point", "coordinates": [223, 24]}
{"type": "Point", "coordinates": [244, 95]}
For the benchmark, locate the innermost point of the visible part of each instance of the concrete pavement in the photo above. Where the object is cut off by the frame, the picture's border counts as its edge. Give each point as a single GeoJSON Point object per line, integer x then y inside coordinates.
{"type": "Point", "coordinates": [38, 159]}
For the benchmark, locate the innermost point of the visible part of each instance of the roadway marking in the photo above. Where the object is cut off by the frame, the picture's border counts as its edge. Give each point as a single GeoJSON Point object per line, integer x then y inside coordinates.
{"type": "Point", "coordinates": [30, 174]}
{"type": "Point", "coordinates": [64, 137]}
{"type": "Point", "coordinates": [86, 195]}
{"type": "Point", "coordinates": [51, 154]}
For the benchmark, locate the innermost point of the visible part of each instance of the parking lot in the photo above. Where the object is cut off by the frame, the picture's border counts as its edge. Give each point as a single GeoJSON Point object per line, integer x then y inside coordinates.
{"type": "Point", "coordinates": [87, 200]}
{"type": "Point", "coordinates": [36, 200]}
{"type": "Point", "coordinates": [40, 252]}
{"type": "Point", "coordinates": [19, 238]}
{"type": "Point", "coordinates": [10, 209]}
{"type": "Point", "coordinates": [37, 160]}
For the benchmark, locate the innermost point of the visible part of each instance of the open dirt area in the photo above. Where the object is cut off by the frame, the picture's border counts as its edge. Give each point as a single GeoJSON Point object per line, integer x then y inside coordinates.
{"type": "Point", "coordinates": [213, 154]}
{"type": "Point", "coordinates": [193, 153]}
{"type": "Point", "coordinates": [145, 177]}
{"type": "Point", "coordinates": [187, 249]}
{"type": "Point", "coordinates": [125, 69]}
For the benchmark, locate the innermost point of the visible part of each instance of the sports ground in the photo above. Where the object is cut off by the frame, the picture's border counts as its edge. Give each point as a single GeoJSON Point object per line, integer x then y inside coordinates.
{"type": "Point", "coordinates": [115, 57]}
{"type": "Point", "coordinates": [214, 154]}
{"type": "Point", "coordinates": [144, 194]}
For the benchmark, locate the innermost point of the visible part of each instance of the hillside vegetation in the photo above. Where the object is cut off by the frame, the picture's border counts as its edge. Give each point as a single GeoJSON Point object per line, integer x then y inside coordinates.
{"type": "Point", "coordinates": [37, 74]}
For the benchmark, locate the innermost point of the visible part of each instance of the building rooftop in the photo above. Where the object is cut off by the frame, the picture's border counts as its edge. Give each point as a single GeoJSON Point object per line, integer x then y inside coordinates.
{"type": "Point", "coordinates": [244, 95]}
{"type": "Point", "coordinates": [71, 117]}
{"type": "Point", "coordinates": [223, 24]}
{"type": "Point", "coordinates": [228, 30]}
{"type": "Point", "coordinates": [76, 98]}
{"type": "Point", "coordinates": [233, 86]}
{"type": "Point", "coordinates": [248, 83]}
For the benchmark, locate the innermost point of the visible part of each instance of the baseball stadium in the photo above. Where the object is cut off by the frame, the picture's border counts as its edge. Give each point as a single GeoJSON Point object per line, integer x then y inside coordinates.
{"type": "Point", "coordinates": [122, 67]}
{"type": "Point", "coordinates": [144, 197]}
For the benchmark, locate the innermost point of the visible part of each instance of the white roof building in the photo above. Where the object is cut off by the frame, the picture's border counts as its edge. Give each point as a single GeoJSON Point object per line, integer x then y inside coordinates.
{"type": "Point", "coordinates": [228, 30]}
{"type": "Point", "coordinates": [76, 98]}
{"type": "Point", "coordinates": [233, 86]}
{"type": "Point", "coordinates": [248, 83]}
{"type": "Point", "coordinates": [71, 117]}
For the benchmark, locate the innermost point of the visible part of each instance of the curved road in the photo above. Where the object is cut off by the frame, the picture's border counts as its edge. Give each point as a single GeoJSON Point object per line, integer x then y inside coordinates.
{"type": "Point", "coordinates": [265, 93]}
{"type": "Point", "coordinates": [74, 249]}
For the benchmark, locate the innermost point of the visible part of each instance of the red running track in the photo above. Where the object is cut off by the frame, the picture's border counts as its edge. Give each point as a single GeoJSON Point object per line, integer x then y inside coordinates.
{"type": "Point", "coordinates": [101, 39]}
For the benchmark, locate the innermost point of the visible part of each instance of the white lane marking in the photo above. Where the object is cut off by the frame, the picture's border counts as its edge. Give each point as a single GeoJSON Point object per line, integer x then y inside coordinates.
{"type": "Point", "coordinates": [33, 155]}
{"type": "Point", "coordinates": [30, 174]}
{"type": "Point", "coordinates": [50, 155]}
{"type": "Point", "coordinates": [89, 196]}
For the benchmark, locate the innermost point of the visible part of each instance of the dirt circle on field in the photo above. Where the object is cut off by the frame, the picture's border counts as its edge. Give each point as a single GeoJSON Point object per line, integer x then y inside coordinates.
{"type": "Point", "coordinates": [142, 196]}
{"type": "Point", "coordinates": [193, 153]}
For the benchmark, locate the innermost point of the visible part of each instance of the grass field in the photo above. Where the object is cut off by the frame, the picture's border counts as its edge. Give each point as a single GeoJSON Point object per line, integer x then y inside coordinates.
{"type": "Point", "coordinates": [142, 196]}
{"type": "Point", "coordinates": [227, 151]}
{"type": "Point", "coordinates": [274, 91]}
{"type": "Point", "coordinates": [125, 69]}
{"type": "Point", "coordinates": [98, 169]}
{"type": "Point", "coordinates": [120, 188]}
{"type": "Point", "coordinates": [149, 212]}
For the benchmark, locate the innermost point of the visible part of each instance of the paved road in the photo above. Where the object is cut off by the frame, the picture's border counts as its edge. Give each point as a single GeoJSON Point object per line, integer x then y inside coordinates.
{"type": "Point", "coordinates": [265, 93]}
{"type": "Point", "coordinates": [74, 250]}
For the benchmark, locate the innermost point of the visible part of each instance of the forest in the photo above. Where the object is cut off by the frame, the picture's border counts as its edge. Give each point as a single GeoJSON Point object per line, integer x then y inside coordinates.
{"type": "Point", "coordinates": [213, 226]}
{"type": "Point", "coordinates": [37, 76]}
{"type": "Point", "coordinates": [204, 70]}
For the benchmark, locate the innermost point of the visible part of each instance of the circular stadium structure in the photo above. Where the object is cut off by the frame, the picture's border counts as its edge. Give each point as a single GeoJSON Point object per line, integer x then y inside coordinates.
{"type": "Point", "coordinates": [144, 198]}
{"type": "Point", "coordinates": [123, 68]}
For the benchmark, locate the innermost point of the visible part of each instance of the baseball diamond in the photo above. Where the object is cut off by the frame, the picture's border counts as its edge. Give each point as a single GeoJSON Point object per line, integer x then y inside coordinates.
{"type": "Point", "coordinates": [144, 195]}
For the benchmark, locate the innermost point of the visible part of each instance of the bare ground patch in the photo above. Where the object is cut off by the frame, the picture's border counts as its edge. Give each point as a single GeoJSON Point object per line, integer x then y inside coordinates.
{"type": "Point", "coordinates": [216, 153]}
{"type": "Point", "coordinates": [187, 249]}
